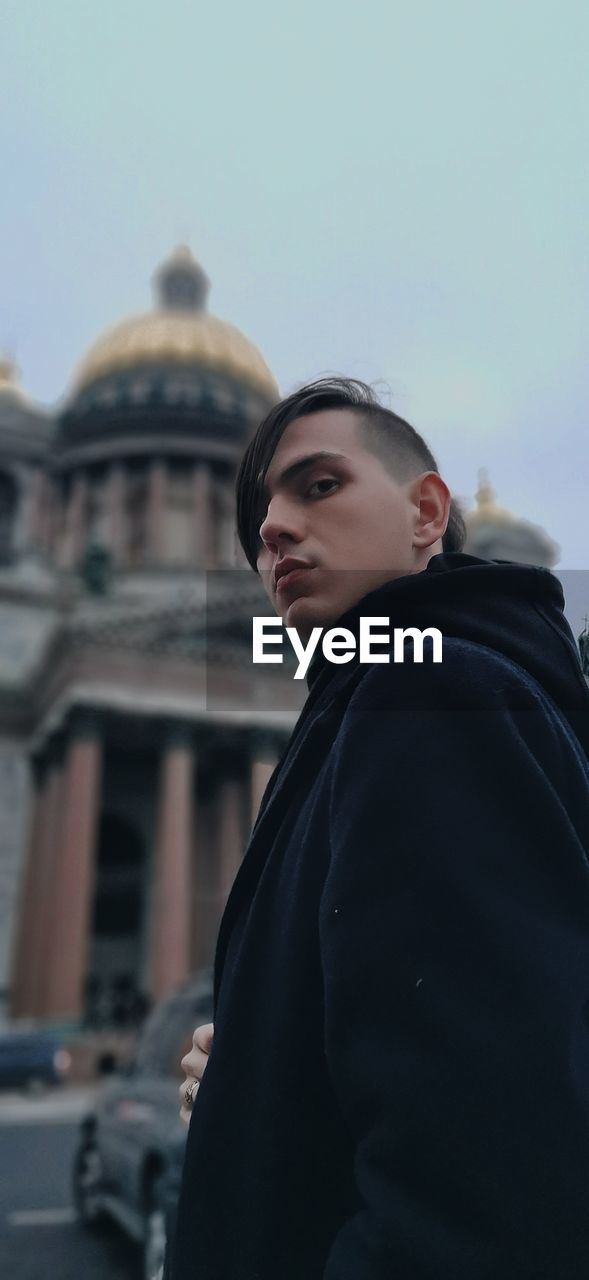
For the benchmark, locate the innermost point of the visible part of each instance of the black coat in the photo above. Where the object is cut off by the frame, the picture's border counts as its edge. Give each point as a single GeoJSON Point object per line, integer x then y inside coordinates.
{"type": "Point", "coordinates": [399, 1080]}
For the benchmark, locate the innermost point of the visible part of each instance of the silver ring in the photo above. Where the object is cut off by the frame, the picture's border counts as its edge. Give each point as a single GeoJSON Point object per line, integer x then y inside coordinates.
{"type": "Point", "coordinates": [189, 1093]}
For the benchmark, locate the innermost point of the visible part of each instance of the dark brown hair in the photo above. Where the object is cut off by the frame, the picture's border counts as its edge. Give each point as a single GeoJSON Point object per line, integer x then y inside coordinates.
{"type": "Point", "coordinates": [398, 445]}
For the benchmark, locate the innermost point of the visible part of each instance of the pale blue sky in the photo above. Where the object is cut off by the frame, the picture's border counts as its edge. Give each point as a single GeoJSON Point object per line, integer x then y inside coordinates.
{"type": "Point", "coordinates": [399, 192]}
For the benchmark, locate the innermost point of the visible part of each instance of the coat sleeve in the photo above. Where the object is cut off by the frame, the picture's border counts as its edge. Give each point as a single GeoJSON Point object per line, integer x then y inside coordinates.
{"type": "Point", "coordinates": [454, 940]}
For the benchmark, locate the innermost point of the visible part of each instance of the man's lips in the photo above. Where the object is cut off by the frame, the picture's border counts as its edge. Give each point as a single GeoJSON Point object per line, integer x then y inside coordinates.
{"type": "Point", "coordinates": [288, 579]}
{"type": "Point", "coordinates": [289, 572]}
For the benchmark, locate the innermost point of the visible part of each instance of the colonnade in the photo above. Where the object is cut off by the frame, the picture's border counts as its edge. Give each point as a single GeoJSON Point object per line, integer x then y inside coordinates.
{"type": "Point", "coordinates": [62, 530]}
{"type": "Point", "coordinates": [55, 922]}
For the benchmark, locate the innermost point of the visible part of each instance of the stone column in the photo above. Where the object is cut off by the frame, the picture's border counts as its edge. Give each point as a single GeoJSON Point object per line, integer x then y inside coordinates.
{"type": "Point", "coordinates": [231, 834]}
{"type": "Point", "coordinates": [46, 514]}
{"type": "Point", "coordinates": [156, 510]}
{"type": "Point", "coordinates": [35, 514]}
{"type": "Point", "coordinates": [264, 757]}
{"type": "Point", "coordinates": [49, 857]}
{"type": "Point", "coordinates": [75, 522]}
{"type": "Point", "coordinates": [116, 505]}
{"type": "Point", "coordinates": [74, 871]}
{"type": "Point", "coordinates": [172, 882]}
{"type": "Point", "coordinates": [227, 535]}
{"type": "Point", "coordinates": [35, 913]}
{"type": "Point", "coordinates": [53, 522]}
{"type": "Point", "coordinates": [203, 524]}
{"type": "Point", "coordinates": [26, 938]}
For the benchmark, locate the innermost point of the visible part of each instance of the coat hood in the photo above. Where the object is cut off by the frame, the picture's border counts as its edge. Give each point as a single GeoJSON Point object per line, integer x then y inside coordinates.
{"type": "Point", "coordinates": [514, 609]}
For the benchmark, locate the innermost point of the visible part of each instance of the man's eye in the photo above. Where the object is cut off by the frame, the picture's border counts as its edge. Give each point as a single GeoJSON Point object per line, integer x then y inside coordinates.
{"type": "Point", "coordinates": [318, 488]}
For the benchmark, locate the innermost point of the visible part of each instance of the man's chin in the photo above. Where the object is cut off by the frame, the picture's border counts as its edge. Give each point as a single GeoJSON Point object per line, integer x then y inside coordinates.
{"type": "Point", "coordinates": [306, 612]}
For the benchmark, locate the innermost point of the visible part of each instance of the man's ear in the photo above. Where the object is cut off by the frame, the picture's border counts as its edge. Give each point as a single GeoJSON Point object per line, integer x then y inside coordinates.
{"type": "Point", "coordinates": [431, 498]}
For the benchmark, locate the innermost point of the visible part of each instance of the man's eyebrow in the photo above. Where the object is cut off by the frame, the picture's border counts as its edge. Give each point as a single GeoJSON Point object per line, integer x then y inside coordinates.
{"type": "Point", "coordinates": [302, 464]}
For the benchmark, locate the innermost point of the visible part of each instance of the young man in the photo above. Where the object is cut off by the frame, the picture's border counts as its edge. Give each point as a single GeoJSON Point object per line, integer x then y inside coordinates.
{"type": "Point", "coordinates": [398, 1082]}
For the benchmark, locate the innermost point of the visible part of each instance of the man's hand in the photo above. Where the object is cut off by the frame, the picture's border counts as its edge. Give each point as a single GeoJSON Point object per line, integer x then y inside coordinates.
{"type": "Point", "coordinates": [193, 1065]}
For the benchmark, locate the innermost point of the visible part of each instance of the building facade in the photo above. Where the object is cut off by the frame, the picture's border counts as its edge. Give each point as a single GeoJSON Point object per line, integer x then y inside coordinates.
{"type": "Point", "coordinates": [136, 737]}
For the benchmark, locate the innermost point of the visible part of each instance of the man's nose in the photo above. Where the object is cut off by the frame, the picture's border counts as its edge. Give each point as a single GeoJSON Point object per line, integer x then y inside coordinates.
{"type": "Point", "coordinates": [281, 524]}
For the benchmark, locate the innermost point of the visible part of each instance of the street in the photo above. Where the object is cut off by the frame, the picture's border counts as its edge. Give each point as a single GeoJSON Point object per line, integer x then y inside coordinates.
{"type": "Point", "coordinates": [39, 1236]}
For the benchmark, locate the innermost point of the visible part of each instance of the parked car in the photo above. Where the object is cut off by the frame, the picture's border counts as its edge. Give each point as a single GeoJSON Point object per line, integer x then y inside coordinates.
{"type": "Point", "coordinates": [31, 1058]}
{"type": "Point", "coordinates": [128, 1161]}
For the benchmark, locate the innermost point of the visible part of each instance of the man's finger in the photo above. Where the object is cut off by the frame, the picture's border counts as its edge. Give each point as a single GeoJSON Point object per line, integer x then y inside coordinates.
{"type": "Point", "coordinates": [203, 1037]}
{"type": "Point", "coordinates": [194, 1063]}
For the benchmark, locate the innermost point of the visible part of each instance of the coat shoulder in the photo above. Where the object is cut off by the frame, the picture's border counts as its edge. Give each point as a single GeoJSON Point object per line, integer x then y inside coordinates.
{"type": "Point", "coordinates": [470, 675]}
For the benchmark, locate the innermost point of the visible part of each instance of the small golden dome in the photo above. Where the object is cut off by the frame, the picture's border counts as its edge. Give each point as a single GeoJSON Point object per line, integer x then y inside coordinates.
{"type": "Point", "coordinates": [178, 331]}
{"type": "Point", "coordinates": [494, 532]}
{"type": "Point", "coordinates": [9, 384]}
{"type": "Point", "coordinates": [488, 510]}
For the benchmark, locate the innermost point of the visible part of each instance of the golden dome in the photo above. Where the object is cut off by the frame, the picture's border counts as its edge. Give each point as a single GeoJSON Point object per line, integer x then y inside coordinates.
{"type": "Point", "coordinates": [488, 510]}
{"type": "Point", "coordinates": [178, 331]}
{"type": "Point", "coordinates": [493, 531]}
{"type": "Point", "coordinates": [9, 384]}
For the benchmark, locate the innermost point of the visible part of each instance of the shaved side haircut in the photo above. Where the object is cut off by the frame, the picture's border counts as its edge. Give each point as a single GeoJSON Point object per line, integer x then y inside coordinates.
{"type": "Point", "coordinates": [400, 448]}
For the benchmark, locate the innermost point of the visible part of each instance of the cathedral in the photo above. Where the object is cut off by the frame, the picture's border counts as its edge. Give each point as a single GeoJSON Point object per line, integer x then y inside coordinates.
{"type": "Point", "coordinates": [136, 736]}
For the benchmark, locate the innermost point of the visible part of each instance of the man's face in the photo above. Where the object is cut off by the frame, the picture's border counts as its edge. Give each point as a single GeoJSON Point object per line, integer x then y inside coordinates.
{"type": "Point", "coordinates": [342, 516]}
